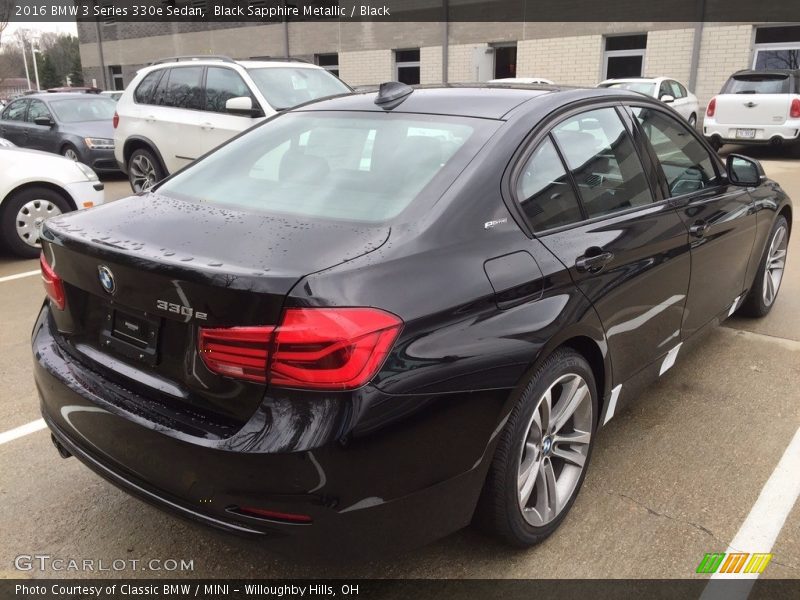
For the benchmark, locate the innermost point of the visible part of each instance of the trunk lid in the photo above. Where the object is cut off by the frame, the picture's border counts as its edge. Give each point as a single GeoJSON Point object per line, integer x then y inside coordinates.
{"type": "Point", "coordinates": [177, 266]}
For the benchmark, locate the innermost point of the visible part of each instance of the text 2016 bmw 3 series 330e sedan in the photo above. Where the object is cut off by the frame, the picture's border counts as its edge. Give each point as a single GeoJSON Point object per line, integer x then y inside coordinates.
{"type": "Point", "coordinates": [377, 318]}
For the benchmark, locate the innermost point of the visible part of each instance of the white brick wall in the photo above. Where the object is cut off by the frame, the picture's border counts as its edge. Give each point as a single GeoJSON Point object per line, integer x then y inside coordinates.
{"type": "Point", "coordinates": [669, 54]}
{"type": "Point", "coordinates": [723, 50]}
{"type": "Point", "coordinates": [430, 64]}
{"type": "Point", "coordinates": [461, 64]}
{"type": "Point", "coordinates": [366, 68]}
{"type": "Point", "coordinates": [573, 60]}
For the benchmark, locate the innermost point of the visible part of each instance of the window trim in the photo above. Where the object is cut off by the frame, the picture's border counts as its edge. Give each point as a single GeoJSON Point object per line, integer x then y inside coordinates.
{"type": "Point", "coordinates": [537, 136]}
{"type": "Point", "coordinates": [662, 178]}
{"type": "Point", "coordinates": [406, 63]}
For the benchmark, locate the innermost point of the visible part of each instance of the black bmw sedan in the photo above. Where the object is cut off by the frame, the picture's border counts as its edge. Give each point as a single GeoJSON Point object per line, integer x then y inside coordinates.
{"type": "Point", "coordinates": [377, 318]}
{"type": "Point", "coordinates": [78, 126]}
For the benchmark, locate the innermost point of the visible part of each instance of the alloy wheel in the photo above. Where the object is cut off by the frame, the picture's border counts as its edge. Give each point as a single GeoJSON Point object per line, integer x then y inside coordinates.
{"type": "Point", "coordinates": [143, 174]}
{"type": "Point", "coordinates": [30, 218]}
{"type": "Point", "coordinates": [555, 449]}
{"type": "Point", "coordinates": [71, 154]}
{"type": "Point", "coordinates": [776, 261]}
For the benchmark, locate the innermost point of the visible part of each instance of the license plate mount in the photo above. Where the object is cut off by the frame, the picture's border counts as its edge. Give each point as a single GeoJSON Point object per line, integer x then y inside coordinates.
{"type": "Point", "coordinates": [131, 334]}
{"type": "Point", "coordinates": [745, 134]}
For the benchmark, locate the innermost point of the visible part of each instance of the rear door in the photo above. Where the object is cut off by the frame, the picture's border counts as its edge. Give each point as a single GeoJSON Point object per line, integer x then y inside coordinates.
{"type": "Point", "coordinates": [590, 200]}
{"type": "Point", "coordinates": [720, 217]}
{"type": "Point", "coordinates": [12, 125]}
{"type": "Point", "coordinates": [754, 99]}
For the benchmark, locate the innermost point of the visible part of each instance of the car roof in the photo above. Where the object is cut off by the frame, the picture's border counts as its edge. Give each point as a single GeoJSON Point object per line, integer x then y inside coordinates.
{"type": "Point", "coordinates": [487, 101]}
{"type": "Point", "coordinates": [795, 72]}
{"type": "Point", "coordinates": [62, 95]}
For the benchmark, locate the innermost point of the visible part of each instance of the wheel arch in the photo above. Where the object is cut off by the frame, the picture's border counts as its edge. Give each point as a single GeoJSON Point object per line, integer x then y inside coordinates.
{"type": "Point", "coordinates": [39, 184]}
{"type": "Point", "coordinates": [786, 212]}
{"type": "Point", "coordinates": [138, 142]}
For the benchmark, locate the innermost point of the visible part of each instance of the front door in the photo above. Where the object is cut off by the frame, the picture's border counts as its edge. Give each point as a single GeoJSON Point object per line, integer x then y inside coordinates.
{"type": "Point", "coordinates": [720, 217]}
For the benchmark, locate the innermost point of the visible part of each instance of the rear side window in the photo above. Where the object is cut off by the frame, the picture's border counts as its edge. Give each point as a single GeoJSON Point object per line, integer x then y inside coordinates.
{"type": "Point", "coordinates": [545, 192]}
{"type": "Point", "coordinates": [183, 88]}
{"type": "Point", "coordinates": [222, 85]}
{"type": "Point", "coordinates": [144, 91]}
{"type": "Point", "coordinates": [686, 163]}
{"type": "Point", "coordinates": [758, 83]}
{"type": "Point", "coordinates": [603, 162]}
{"type": "Point", "coordinates": [15, 111]}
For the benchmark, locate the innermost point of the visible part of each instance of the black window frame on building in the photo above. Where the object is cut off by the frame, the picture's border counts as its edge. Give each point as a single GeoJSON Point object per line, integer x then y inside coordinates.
{"type": "Point", "coordinates": [505, 68]}
{"type": "Point", "coordinates": [117, 78]}
{"type": "Point", "coordinates": [406, 67]}
{"type": "Point", "coordinates": [777, 47]}
{"type": "Point", "coordinates": [623, 50]}
{"type": "Point", "coordinates": [328, 61]}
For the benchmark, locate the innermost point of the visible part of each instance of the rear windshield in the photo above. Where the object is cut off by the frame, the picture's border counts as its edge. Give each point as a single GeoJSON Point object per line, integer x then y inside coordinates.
{"type": "Point", "coordinates": [757, 84]}
{"type": "Point", "coordinates": [336, 165]}
{"type": "Point", "coordinates": [76, 110]}
{"type": "Point", "coordinates": [285, 87]}
{"type": "Point", "coordinates": [648, 89]}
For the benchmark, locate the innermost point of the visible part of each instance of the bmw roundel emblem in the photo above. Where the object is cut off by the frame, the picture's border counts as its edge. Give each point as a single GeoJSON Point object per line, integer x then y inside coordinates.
{"type": "Point", "coordinates": [106, 279]}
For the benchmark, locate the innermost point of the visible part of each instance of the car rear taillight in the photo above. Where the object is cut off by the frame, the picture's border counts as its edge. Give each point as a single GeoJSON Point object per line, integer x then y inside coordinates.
{"type": "Point", "coordinates": [239, 352]}
{"type": "Point", "coordinates": [312, 348]}
{"type": "Point", "coordinates": [115, 120]}
{"type": "Point", "coordinates": [794, 110]}
{"type": "Point", "coordinates": [53, 285]}
{"type": "Point", "coordinates": [712, 107]}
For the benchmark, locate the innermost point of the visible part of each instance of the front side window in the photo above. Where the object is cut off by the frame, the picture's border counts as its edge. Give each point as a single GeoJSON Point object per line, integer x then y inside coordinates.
{"type": "Point", "coordinates": [15, 111]}
{"type": "Point", "coordinates": [183, 89]}
{"type": "Point", "coordinates": [84, 108]}
{"type": "Point", "coordinates": [351, 166]}
{"type": "Point", "coordinates": [687, 165]}
{"type": "Point", "coordinates": [545, 192]}
{"type": "Point", "coordinates": [285, 87]}
{"type": "Point", "coordinates": [221, 85]}
{"type": "Point", "coordinates": [36, 110]}
{"type": "Point", "coordinates": [144, 91]}
{"type": "Point", "coordinates": [603, 162]}
{"type": "Point", "coordinates": [678, 91]}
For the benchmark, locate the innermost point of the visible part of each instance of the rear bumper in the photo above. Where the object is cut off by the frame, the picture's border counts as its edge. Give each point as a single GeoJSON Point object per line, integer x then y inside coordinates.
{"type": "Point", "coordinates": [764, 134]}
{"type": "Point", "coordinates": [394, 488]}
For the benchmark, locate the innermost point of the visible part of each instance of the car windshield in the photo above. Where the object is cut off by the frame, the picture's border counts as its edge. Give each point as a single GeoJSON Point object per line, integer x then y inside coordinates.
{"type": "Point", "coordinates": [643, 87]}
{"type": "Point", "coordinates": [285, 87]}
{"type": "Point", "coordinates": [757, 84]}
{"type": "Point", "coordinates": [76, 110]}
{"type": "Point", "coordinates": [351, 166]}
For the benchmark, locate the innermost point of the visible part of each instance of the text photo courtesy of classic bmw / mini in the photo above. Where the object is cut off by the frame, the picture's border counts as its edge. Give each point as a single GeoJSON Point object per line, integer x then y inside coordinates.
{"type": "Point", "coordinates": [299, 293]}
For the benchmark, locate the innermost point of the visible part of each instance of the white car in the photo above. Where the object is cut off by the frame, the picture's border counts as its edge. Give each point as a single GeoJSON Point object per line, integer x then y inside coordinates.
{"type": "Point", "coordinates": [36, 185]}
{"type": "Point", "coordinates": [115, 95]}
{"type": "Point", "coordinates": [755, 107]}
{"type": "Point", "coordinates": [523, 80]}
{"type": "Point", "coordinates": [665, 89]}
{"type": "Point", "coordinates": [178, 109]}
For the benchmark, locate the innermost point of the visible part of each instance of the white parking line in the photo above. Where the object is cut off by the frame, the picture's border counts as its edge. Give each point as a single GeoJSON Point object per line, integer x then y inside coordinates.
{"type": "Point", "coordinates": [765, 521]}
{"type": "Point", "coordinates": [19, 276]}
{"type": "Point", "coordinates": [22, 430]}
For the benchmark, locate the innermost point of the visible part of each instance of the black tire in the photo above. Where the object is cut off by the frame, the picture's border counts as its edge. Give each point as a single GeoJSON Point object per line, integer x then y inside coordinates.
{"type": "Point", "coordinates": [69, 148]}
{"type": "Point", "coordinates": [137, 171]}
{"type": "Point", "coordinates": [10, 210]}
{"type": "Point", "coordinates": [755, 303]}
{"type": "Point", "coordinates": [499, 511]}
{"type": "Point", "coordinates": [715, 143]}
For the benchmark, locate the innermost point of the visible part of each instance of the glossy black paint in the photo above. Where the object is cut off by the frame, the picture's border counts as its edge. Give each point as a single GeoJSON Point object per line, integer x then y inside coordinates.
{"type": "Point", "coordinates": [58, 135]}
{"type": "Point", "coordinates": [403, 459]}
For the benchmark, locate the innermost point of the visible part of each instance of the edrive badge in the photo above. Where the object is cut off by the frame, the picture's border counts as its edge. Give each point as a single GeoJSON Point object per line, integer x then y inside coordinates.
{"type": "Point", "coordinates": [107, 279]}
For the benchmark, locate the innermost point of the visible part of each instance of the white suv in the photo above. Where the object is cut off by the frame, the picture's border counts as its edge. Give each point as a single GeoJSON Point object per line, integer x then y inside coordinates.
{"type": "Point", "coordinates": [180, 108]}
{"type": "Point", "coordinates": [755, 107]}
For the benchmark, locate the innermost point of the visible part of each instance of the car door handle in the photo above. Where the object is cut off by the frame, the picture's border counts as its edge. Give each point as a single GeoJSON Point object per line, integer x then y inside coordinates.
{"type": "Point", "coordinates": [593, 260]}
{"type": "Point", "coordinates": [207, 126]}
{"type": "Point", "coordinates": [698, 228]}
{"type": "Point", "coordinates": [150, 118]}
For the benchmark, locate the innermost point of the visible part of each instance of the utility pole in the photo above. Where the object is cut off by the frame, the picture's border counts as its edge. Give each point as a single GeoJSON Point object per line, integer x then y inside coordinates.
{"type": "Point", "coordinates": [25, 61]}
{"type": "Point", "coordinates": [35, 67]}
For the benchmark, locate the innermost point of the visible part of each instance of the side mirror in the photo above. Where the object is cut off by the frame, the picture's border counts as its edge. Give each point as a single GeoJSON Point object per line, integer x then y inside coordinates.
{"type": "Point", "coordinates": [667, 98]}
{"type": "Point", "coordinates": [44, 121]}
{"type": "Point", "coordinates": [241, 105]}
{"type": "Point", "coordinates": [744, 171]}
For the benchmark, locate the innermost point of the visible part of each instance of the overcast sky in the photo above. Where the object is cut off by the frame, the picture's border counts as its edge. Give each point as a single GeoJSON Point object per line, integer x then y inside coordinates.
{"type": "Point", "coordinates": [60, 27]}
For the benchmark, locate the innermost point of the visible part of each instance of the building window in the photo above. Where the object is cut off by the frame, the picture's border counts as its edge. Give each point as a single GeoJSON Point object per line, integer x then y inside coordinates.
{"type": "Point", "coordinates": [505, 60]}
{"type": "Point", "coordinates": [117, 81]}
{"type": "Point", "coordinates": [777, 48]}
{"type": "Point", "coordinates": [407, 66]}
{"type": "Point", "coordinates": [329, 62]}
{"type": "Point", "coordinates": [624, 56]}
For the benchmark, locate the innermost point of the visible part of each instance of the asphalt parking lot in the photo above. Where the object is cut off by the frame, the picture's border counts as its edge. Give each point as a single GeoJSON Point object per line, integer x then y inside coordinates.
{"type": "Point", "coordinates": [671, 479]}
